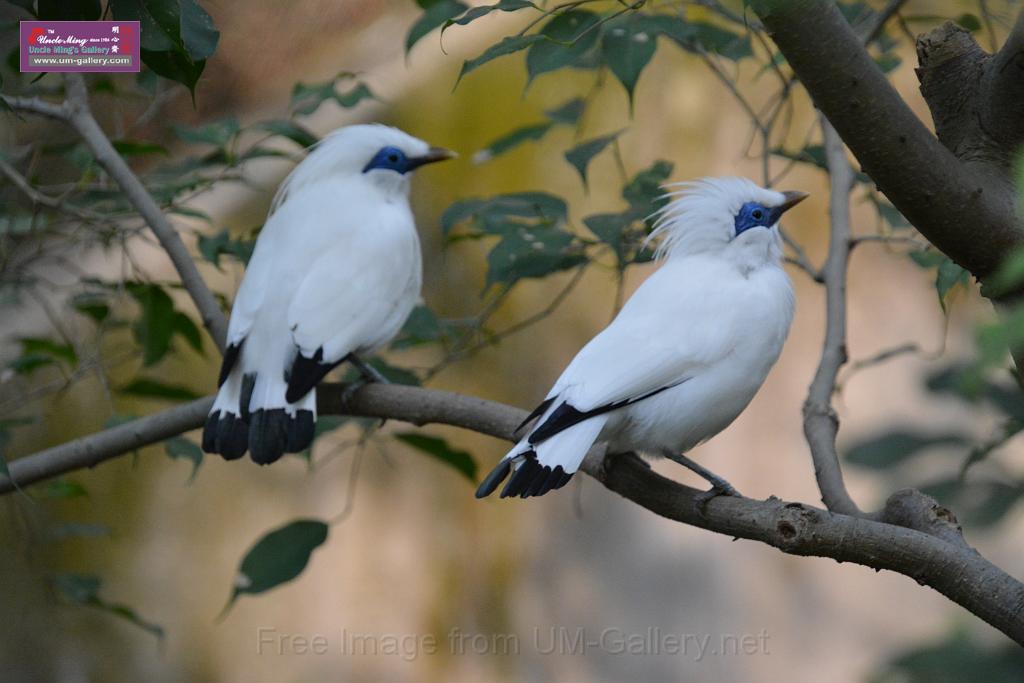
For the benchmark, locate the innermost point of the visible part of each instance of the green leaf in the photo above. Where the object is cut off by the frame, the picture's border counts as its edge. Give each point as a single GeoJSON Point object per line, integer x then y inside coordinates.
{"type": "Point", "coordinates": [510, 141]}
{"type": "Point", "coordinates": [421, 327]}
{"type": "Point", "coordinates": [38, 352]}
{"type": "Point", "coordinates": [217, 133]}
{"type": "Point", "coordinates": [328, 423]}
{"type": "Point", "coordinates": [927, 258]}
{"type": "Point", "coordinates": [151, 388]}
{"type": "Point", "coordinates": [438, 448]}
{"type": "Point", "coordinates": [949, 276]}
{"type": "Point", "coordinates": [898, 446]}
{"type": "Point", "coordinates": [65, 488]}
{"type": "Point", "coordinates": [482, 11]}
{"type": "Point", "coordinates": [69, 10]}
{"type": "Point", "coordinates": [723, 42]}
{"type": "Point", "coordinates": [969, 22]}
{"type": "Point", "coordinates": [177, 36]}
{"type": "Point", "coordinates": [977, 503]}
{"type": "Point", "coordinates": [890, 214]}
{"type": "Point", "coordinates": [84, 589]}
{"type": "Point", "coordinates": [581, 155]}
{"type": "Point", "coordinates": [888, 62]}
{"type": "Point", "coordinates": [295, 132]}
{"type": "Point", "coordinates": [645, 190]}
{"type": "Point", "coordinates": [307, 98]}
{"type": "Point", "coordinates": [531, 253]}
{"type": "Point", "coordinates": [501, 213]}
{"type": "Point", "coordinates": [213, 247]}
{"type": "Point", "coordinates": [507, 46]}
{"type": "Point", "coordinates": [154, 329]}
{"type": "Point", "coordinates": [392, 373]}
{"type": "Point", "coordinates": [958, 657]}
{"type": "Point", "coordinates": [436, 14]}
{"type": "Point", "coordinates": [92, 305]}
{"type": "Point", "coordinates": [180, 448]}
{"type": "Point", "coordinates": [569, 113]}
{"type": "Point", "coordinates": [811, 154]}
{"type": "Point", "coordinates": [134, 148]}
{"type": "Point", "coordinates": [277, 558]}
{"type": "Point", "coordinates": [628, 47]}
{"type": "Point", "coordinates": [184, 326]}
{"type": "Point", "coordinates": [564, 41]}
{"type": "Point", "coordinates": [609, 228]}
{"type": "Point", "coordinates": [1009, 276]}
{"type": "Point", "coordinates": [696, 36]}
{"type": "Point", "coordinates": [66, 530]}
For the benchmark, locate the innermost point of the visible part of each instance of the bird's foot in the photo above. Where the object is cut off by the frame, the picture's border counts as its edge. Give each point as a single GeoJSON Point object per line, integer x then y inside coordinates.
{"type": "Point", "coordinates": [350, 390]}
{"type": "Point", "coordinates": [718, 488]}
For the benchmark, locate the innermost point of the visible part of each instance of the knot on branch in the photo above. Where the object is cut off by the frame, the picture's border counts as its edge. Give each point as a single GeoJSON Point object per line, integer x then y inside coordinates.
{"type": "Point", "coordinates": [795, 525]}
{"type": "Point", "coordinates": [813, 409]}
{"type": "Point", "coordinates": [915, 510]}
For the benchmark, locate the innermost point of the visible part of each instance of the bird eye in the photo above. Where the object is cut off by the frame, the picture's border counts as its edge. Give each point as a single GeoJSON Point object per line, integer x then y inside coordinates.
{"type": "Point", "coordinates": [393, 158]}
{"type": "Point", "coordinates": [758, 214]}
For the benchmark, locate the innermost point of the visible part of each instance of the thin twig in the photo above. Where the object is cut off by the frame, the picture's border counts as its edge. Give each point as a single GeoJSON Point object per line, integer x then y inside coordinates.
{"type": "Point", "coordinates": [81, 119]}
{"type": "Point", "coordinates": [820, 421]}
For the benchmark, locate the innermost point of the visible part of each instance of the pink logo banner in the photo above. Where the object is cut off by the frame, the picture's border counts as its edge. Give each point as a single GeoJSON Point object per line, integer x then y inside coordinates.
{"type": "Point", "coordinates": [102, 46]}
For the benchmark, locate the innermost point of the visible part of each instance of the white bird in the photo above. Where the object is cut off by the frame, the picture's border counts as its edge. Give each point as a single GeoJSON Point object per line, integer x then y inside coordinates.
{"type": "Point", "coordinates": [335, 273]}
{"type": "Point", "coordinates": [686, 353]}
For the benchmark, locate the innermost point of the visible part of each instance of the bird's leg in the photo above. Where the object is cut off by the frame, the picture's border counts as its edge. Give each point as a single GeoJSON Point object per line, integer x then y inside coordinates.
{"type": "Point", "coordinates": [719, 486]}
{"type": "Point", "coordinates": [368, 372]}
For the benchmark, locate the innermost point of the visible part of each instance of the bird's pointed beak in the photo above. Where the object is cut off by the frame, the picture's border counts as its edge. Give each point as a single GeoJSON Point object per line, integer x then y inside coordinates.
{"type": "Point", "coordinates": [793, 197]}
{"type": "Point", "coordinates": [434, 154]}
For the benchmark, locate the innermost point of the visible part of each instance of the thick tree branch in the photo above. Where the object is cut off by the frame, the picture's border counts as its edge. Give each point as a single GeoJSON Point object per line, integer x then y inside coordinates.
{"type": "Point", "coordinates": [924, 180]}
{"type": "Point", "coordinates": [932, 559]}
{"type": "Point", "coordinates": [1004, 82]}
{"type": "Point", "coordinates": [80, 117]}
{"type": "Point", "coordinates": [820, 421]}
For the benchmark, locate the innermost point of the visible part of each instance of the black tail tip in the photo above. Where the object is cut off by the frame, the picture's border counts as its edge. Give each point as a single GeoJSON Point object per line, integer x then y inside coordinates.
{"type": "Point", "coordinates": [274, 432]}
{"type": "Point", "coordinates": [492, 480]}
{"type": "Point", "coordinates": [529, 479]}
{"type": "Point", "coordinates": [226, 434]}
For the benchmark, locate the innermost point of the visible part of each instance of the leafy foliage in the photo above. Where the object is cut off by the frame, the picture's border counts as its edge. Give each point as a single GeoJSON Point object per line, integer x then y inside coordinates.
{"type": "Point", "coordinates": [177, 36]}
{"type": "Point", "coordinates": [180, 448]}
{"type": "Point", "coordinates": [439, 449]}
{"type": "Point", "coordinates": [277, 558]}
{"type": "Point", "coordinates": [84, 589]}
{"type": "Point", "coordinates": [957, 657]}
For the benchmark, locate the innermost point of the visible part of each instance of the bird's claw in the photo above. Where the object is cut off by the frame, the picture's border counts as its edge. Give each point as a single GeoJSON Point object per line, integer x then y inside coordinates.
{"type": "Point", "coordinates": [701, 500]}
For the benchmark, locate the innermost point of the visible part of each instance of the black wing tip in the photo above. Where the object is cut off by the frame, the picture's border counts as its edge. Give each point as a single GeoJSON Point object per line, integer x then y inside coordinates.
{"type": "Point", "coordinates": [230, 358]}
{"type": "Point", "coordinates": [537, 412]}
{"type": "Point", "coordinates": [306, 373]}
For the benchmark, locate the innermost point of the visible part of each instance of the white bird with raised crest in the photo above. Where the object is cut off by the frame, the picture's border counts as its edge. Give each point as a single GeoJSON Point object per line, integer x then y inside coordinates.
{"type": "Point", "coordinates": [335, 273]}
{"type": "Point", "coordinates": [686, 353]}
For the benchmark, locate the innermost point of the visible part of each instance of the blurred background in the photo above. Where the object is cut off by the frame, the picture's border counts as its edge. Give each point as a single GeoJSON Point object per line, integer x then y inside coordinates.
{"type": "Point", "coordinates": [411, 555]}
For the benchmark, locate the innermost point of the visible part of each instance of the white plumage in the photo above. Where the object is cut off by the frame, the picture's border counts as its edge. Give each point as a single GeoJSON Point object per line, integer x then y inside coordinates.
{"type": "Point", "coordinates": [686, 353]}
{"type": "Point", "coordinates": [335, 272]}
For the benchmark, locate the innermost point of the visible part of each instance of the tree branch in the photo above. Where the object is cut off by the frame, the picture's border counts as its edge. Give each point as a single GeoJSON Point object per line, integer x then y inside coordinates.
{"type": "Point", "coordinates": [80, 117]}
{"type": "Point", "coordinates": [1004, 84]}
{"type": "Point", "coordinates": [820, 421]}
{"type": "Point", "coordinates": [932, 559]}
{"type": "Point", "coordinates": [923, 179]}
{"type": "Point", "coordinates": [35, 105]}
